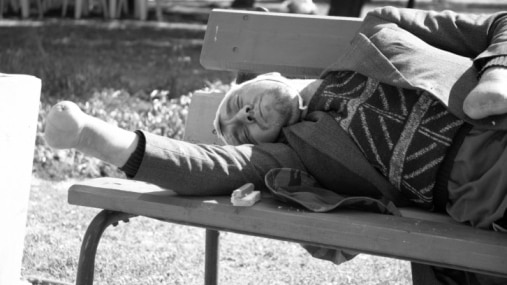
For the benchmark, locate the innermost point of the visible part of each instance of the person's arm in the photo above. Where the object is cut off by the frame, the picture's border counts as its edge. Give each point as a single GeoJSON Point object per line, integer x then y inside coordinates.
{"type": "Point", "coordinates": [478, 36]}
{"type": "Point", "coordinates": [68, 127]}
{"type": "Point", "coordinates": [482, 38]}
{"type": "Point", "coordinates": [186, 168]}
{"type": "Point", "coordinates": [201, 169]}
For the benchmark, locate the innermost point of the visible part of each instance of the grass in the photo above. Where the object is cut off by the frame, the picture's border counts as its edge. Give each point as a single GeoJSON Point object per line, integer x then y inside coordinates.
{"type": "Point", "coordinates": [74, 59]}
{"type": "Point", "coordinates": [102, 66]}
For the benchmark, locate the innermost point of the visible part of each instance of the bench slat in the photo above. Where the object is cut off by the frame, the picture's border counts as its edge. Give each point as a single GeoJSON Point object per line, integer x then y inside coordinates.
{"type": "Point", "coordinates": [264, 42]}
{"type": "Point", "coordinates": [431, 240]}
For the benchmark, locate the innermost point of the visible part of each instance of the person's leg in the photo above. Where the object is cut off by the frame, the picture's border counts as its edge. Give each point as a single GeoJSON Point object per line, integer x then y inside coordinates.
{"type": "Point", "coordinates": [68, 127]}
{"type": "Point", "coordinates": [243, 4]}
{"type": "Point", "coordinates": [346, 8]}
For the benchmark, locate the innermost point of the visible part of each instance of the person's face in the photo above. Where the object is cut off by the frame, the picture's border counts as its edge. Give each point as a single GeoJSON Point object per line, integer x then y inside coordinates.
{"type": "Point", "coordinates": [257, 112]}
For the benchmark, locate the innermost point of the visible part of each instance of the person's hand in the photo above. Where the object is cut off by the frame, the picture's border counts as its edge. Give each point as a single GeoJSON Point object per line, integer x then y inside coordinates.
{"type": "Point", "coordinates": [489, 97]}
{"type": "Point", "coordinates": [64, 124]}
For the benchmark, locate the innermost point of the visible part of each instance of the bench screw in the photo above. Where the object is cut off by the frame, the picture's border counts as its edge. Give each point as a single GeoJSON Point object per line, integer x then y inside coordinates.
{"type": "Point", "coordinates": [245, 18]}
{"type": "Point", "coordinates": [235, 49]}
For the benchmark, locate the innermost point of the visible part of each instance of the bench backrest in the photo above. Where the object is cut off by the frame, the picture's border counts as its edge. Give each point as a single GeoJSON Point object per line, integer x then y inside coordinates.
{"type": "Point", "coordinates": [294, 45]}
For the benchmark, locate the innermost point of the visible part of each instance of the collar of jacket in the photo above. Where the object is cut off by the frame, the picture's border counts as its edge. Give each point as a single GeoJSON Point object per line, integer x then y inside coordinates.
{"type": "Point", "coordinates": [394, 56]}
{"type": "Point", "coordinates": [333, 159]}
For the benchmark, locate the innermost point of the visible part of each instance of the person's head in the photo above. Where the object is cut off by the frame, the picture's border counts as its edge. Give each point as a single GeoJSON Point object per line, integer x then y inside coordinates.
{"type": "Point", "coordinates": [256, 111]}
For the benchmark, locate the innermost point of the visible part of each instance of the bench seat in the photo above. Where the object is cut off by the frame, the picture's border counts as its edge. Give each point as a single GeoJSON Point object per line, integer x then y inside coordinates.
{"type": "Point", "coordinates": [418, 236]}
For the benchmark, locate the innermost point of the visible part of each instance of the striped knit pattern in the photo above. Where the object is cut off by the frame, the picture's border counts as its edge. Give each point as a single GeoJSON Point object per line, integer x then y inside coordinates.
{"type": "Point", "coordinates": [405, 134]}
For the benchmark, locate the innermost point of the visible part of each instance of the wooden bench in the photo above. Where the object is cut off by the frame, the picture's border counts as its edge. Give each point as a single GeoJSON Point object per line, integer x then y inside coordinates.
{"type": "Point", "coordinates": [300, 46]}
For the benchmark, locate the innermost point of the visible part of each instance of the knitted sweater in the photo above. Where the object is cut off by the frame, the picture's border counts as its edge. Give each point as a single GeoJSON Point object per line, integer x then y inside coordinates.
{"type": "Point", "coordinates": [407, 135]}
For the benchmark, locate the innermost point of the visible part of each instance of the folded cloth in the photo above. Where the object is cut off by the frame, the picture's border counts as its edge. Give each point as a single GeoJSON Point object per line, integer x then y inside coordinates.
{"type": "Point", "coordinates": [296, 186]}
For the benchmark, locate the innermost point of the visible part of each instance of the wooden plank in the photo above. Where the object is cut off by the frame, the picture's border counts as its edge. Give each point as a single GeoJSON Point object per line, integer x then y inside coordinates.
{"type": "Point", "coordinates": [263, 42]}
{"type": "Point", "coordinates": [428, 241]}
{"type": "Point", "coordinates": [199, 125]}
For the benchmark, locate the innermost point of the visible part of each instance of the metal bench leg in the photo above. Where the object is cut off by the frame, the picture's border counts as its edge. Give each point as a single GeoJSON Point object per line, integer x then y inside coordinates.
{"type": "Point", "coordinates": [211, 258]}
{"type": "Point", "coordinates": [86, 264]}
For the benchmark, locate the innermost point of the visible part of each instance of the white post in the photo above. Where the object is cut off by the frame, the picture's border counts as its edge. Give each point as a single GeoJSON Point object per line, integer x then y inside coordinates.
{"type": "Point", "coordinates": [19, 108]}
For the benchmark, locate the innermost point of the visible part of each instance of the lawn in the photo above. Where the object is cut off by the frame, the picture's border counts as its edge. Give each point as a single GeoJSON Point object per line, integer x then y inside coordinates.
{"type": "Point", "coordinates": [140, 76]}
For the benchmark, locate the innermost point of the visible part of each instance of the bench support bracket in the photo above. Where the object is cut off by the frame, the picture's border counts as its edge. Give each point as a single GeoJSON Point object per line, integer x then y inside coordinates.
{"type": "Point", "coordinates": [86, 264]}
{"type": "Point", "coordinates": [91, 239]}
{"type": "Point", "coordinates": [211, 259]}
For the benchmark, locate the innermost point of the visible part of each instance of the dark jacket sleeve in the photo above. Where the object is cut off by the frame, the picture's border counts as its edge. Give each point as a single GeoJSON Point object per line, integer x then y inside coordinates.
{"type": "Point", "coordinates": [199, 169]}
{"type": "Point", "coordinates": [481, 37]}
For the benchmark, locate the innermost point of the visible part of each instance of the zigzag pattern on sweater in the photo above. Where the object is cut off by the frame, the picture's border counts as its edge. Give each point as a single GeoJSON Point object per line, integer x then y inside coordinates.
{"type": "Point", "coordinates": [404, 134]}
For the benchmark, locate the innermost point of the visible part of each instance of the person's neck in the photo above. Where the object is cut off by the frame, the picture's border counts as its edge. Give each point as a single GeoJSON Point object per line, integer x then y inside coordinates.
{"type": "Point", "coordinates": [307, 88]}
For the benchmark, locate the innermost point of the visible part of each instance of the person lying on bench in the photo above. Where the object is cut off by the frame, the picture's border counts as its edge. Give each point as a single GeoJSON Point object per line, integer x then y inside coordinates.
{"type": "Point", "coordinates": [414, 111]}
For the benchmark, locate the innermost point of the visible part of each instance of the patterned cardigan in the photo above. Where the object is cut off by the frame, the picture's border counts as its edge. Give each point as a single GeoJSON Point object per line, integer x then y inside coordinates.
{"type": "Point", "coordinates": [405, 134]}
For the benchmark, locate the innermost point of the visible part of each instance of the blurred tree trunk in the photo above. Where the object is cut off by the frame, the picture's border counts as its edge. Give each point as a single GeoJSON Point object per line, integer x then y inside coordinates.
{"type": "Point", "coordinates": [131, 6]}
{"type": "Point", "coordinates": [243, 4]}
